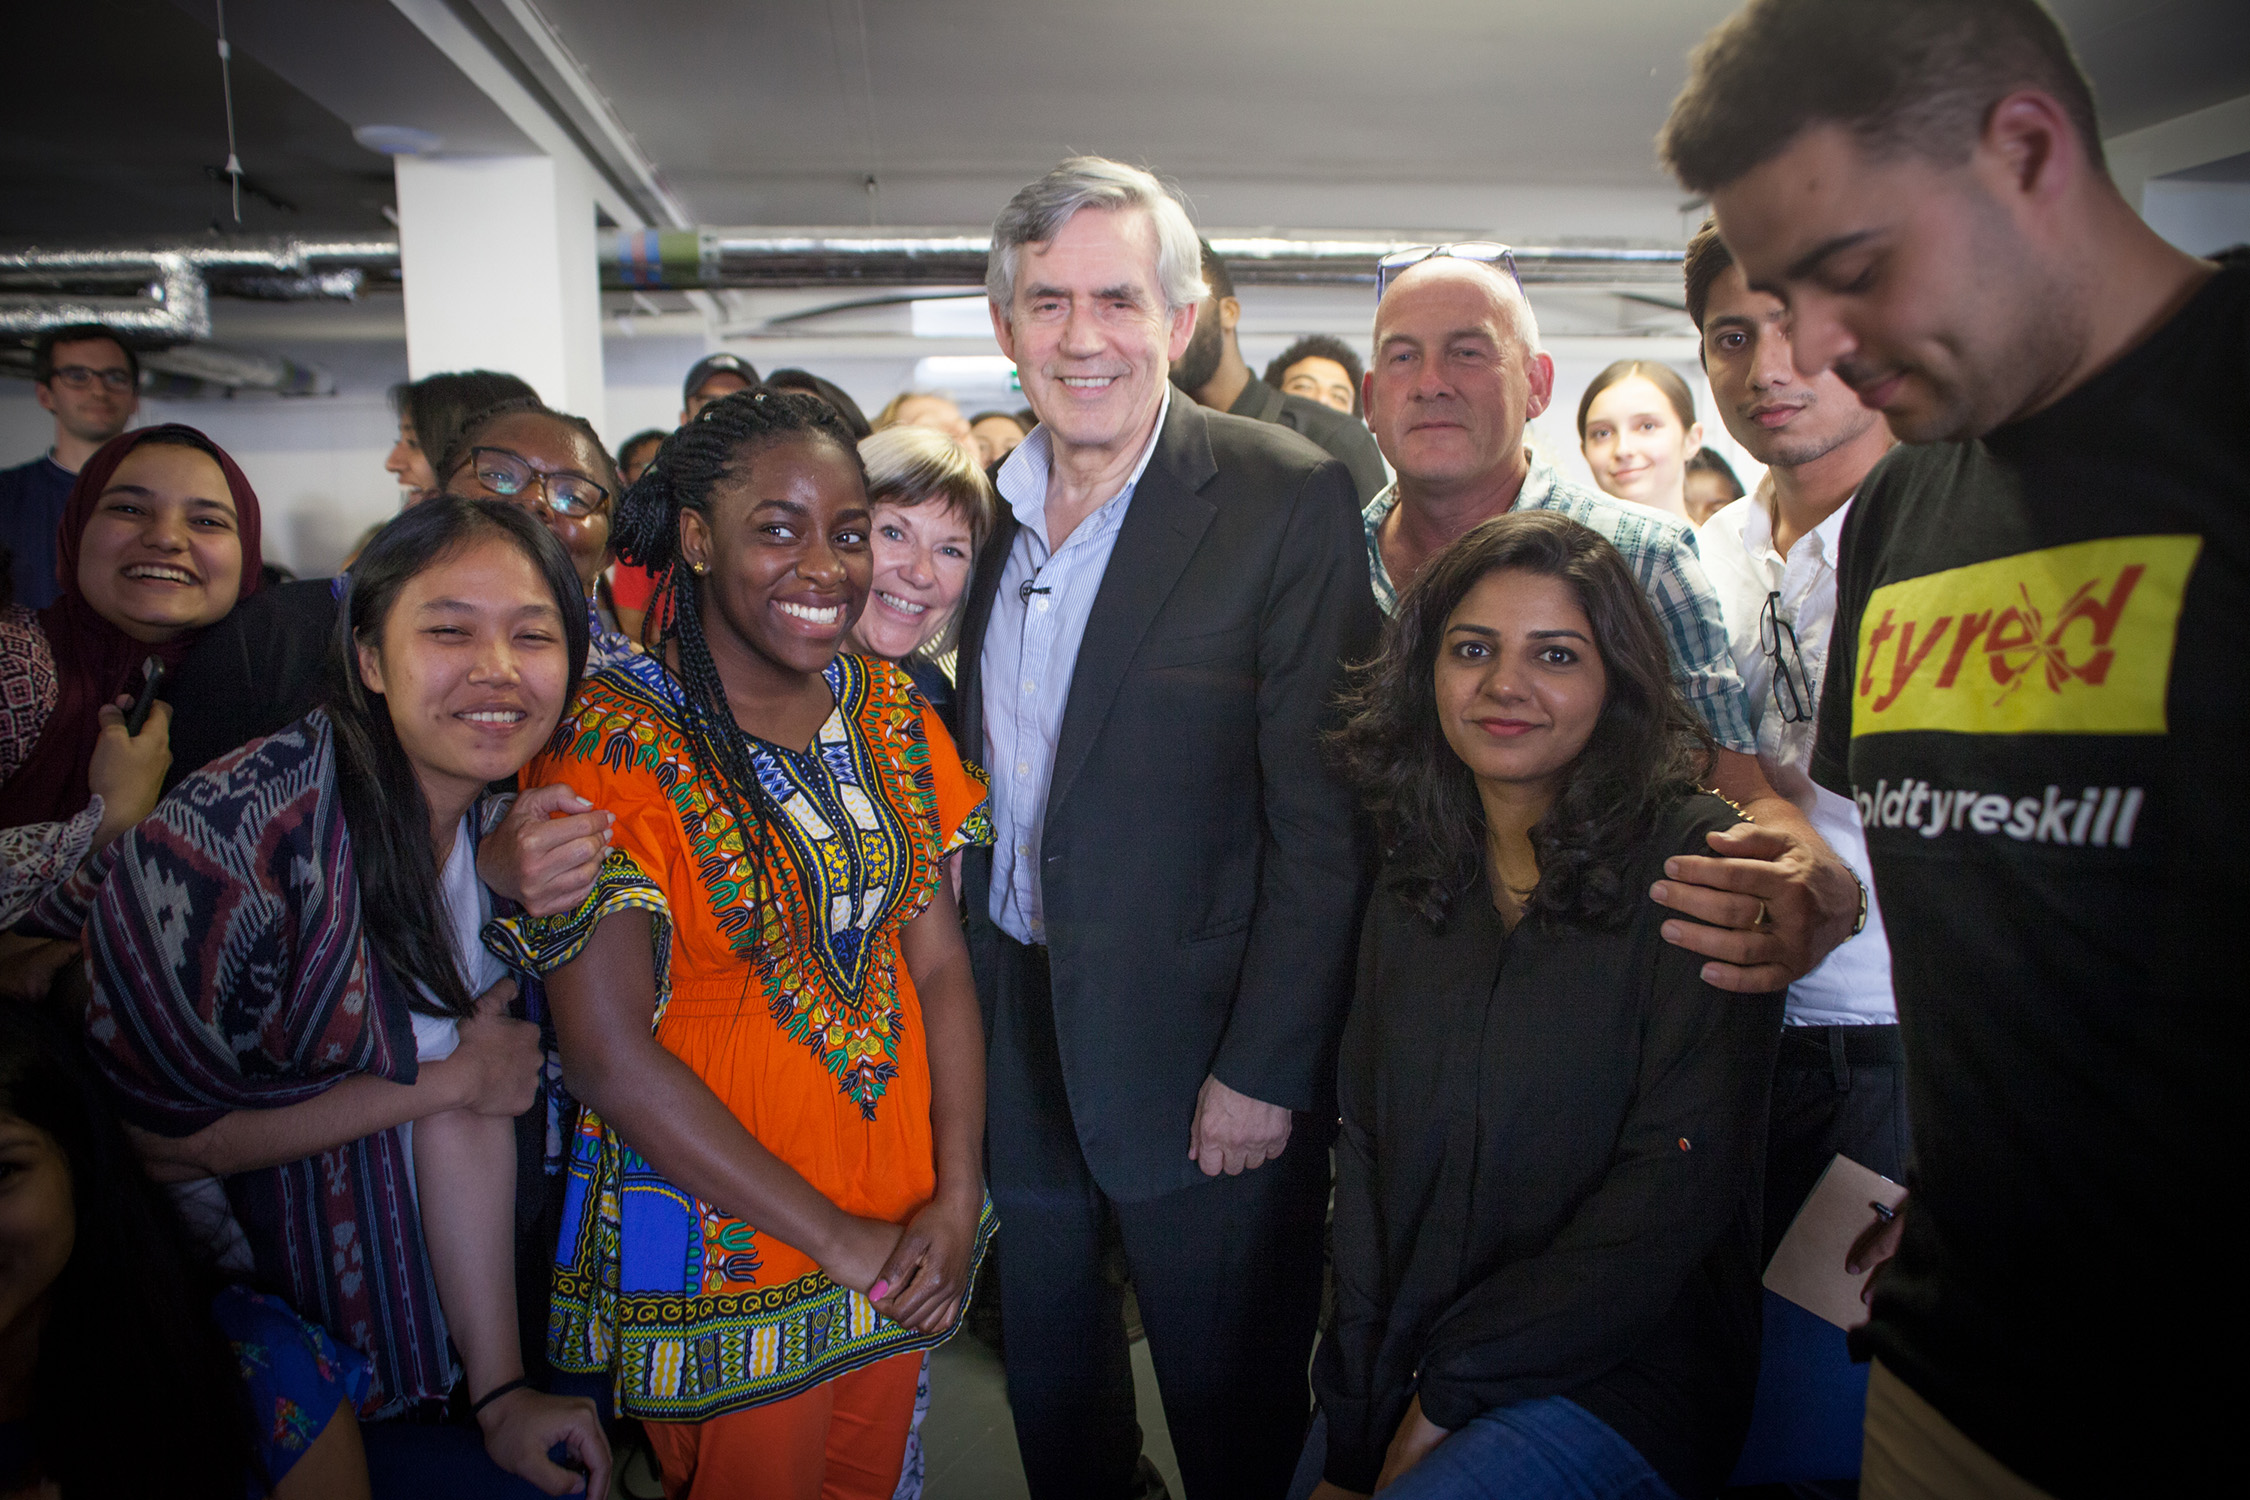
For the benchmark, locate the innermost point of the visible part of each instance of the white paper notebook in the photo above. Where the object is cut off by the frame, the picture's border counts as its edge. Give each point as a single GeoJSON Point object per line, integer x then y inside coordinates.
{"type": "Point", "coordinates": [1808, 1265]}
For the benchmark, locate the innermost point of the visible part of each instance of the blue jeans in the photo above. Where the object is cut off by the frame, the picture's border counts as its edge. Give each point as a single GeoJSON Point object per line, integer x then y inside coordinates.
{"type": "Point", "coordinates": [1549, 1449]}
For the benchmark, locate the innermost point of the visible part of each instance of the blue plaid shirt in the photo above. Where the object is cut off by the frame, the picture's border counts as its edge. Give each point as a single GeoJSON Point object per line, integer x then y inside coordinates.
{"type": "Point", "coordinates": [1662, 554]}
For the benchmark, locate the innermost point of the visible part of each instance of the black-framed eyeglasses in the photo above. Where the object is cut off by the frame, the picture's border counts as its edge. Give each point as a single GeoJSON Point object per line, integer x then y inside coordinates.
{"type": "Point", "coordinates": [1486, 252]}
{"type": "Point", "coordinates": [85, 377]}
{"type": "Point", "coordinates": [509, 474]}
{"type": "Point", "coordinates": [1777, 638]}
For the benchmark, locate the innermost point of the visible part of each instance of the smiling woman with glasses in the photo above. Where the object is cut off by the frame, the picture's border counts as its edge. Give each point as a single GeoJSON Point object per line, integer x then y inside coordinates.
{"type": "Point", "coordinates": [553, 465]}
{"type": "Point", "coordinates": [511, 475]}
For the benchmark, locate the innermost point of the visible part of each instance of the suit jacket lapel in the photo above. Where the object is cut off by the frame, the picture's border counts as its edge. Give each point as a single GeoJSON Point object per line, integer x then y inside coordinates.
{"type": "Point", "coordinates": [1164, 523]}
{"type": "Point", "coordinates": [976, 618]}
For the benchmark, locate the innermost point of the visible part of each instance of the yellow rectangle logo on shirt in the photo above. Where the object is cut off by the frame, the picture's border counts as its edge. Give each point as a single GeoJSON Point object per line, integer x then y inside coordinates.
{"type": "Point", "coordinates": [2069, 640]}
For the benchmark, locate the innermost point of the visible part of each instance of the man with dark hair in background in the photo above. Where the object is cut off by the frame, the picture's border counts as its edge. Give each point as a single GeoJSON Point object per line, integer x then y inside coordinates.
{"type": "Point", "coordinates": [1319, 367]}
{"type": "Point", "coordinates": [2035, 695]}
{"type": "Point", "coordinates": [1214, 372]}
{"type": "Point", "coordinates": [1839, 1083]}
{"type": "Point", "coordinates": [996, 434]}
{"type": "Point", "coordinates": [713, 376]}
{"type": "Point", "coordinates": [91, 381]}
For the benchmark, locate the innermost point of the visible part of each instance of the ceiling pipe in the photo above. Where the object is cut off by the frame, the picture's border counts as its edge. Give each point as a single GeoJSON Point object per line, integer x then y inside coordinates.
{"type": "Point", "coordinates": [682, 259]}
{"type": "Point", "coordinates": [160, 295]}
{"type": "Point", "coordinates": [163, 291]}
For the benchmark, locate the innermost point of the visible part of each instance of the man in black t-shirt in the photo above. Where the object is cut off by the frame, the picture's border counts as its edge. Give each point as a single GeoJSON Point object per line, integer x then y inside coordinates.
{"type": "Point", "coordinates": [2036, 695]}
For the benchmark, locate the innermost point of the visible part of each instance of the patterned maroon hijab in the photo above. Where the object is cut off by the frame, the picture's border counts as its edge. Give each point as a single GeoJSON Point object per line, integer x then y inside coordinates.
{"type": "Point", "coordinates": [94, 660]}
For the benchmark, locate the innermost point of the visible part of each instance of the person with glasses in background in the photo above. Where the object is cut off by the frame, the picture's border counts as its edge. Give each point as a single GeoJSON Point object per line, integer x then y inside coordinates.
{"type": "Point", "coordinates": [430, 413]}
{"type": "Point", "coordinates": [1458, 372]}
{"type": "Point", "coordinates": [1840, 1081]}
{"type": "Point", "coordinates": [553, 465]}
{"type": "Point", "coordinates": [91, 381]}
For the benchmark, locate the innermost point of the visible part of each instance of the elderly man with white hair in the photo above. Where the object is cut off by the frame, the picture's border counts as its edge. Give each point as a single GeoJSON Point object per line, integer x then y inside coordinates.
{"type": "Point", "coordinates": [1163, 929]}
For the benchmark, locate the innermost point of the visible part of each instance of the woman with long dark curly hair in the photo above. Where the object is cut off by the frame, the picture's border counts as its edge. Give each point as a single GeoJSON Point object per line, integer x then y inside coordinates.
{"type": "Point", "coordinates": [1547, 1184]}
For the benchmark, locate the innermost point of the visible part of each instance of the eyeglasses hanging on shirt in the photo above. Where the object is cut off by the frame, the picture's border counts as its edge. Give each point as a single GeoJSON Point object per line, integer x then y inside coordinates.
{"type": "Point", "coordinates": [1792, 689]}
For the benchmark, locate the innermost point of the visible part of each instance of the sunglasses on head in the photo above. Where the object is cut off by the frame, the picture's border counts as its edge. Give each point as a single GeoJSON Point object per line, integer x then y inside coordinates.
{"type": "Point", "coordinates": [1486, 252]}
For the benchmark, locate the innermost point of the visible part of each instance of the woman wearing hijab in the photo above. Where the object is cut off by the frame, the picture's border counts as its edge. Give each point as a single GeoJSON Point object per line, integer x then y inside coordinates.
{"type": "Point", "coordinates": [158, 541]}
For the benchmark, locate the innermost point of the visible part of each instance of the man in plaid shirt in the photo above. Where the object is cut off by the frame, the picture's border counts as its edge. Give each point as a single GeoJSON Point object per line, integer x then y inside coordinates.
{"type": "Point", "coordinates": [1457, 373]}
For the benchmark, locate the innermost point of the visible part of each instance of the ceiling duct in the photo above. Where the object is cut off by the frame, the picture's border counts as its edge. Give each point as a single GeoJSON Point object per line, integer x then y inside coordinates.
{"type": "Point", "coordinates": [689, 259]}
{"type": "Point", "coordinates": [160, 295]}
{"type": "Point", "coordinates": [197, 369]}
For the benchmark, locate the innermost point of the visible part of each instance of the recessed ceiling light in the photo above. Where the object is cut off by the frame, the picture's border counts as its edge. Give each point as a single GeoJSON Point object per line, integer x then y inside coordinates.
{"type": "Point", "coordinates": [398, 140]}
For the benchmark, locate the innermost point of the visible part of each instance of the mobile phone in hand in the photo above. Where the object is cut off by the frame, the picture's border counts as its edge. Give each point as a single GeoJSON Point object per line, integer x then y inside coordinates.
{"type": "Point", "coordinates": [152, 678]}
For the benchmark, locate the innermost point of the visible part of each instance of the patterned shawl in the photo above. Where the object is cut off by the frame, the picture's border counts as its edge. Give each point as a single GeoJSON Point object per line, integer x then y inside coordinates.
{"type": "Point", "coordinates": [230, 973]}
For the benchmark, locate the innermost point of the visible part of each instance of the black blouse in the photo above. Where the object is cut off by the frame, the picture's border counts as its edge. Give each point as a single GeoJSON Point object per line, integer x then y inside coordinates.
{"type": "Point", "coordinates": [1548, 1179]}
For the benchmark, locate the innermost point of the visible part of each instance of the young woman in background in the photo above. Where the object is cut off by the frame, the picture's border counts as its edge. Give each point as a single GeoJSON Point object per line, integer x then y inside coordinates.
{"type": "Point", "coordinates": [1637, 427]}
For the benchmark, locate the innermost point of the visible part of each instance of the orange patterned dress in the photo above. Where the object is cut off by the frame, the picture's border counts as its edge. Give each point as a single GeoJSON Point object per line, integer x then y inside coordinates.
{"type": "Point", "coordinates": [799, 1014]}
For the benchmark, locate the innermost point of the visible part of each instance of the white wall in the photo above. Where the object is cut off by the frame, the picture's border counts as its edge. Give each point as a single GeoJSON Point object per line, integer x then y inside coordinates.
{"type": "Point", "coordinates": [2199, 217]}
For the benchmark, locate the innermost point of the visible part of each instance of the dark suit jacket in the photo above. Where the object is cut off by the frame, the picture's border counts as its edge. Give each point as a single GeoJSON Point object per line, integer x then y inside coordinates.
{"type": "Point", "coordinates": [1341, 433]}
{"type": "Point", "coordinates": [1203, 869]}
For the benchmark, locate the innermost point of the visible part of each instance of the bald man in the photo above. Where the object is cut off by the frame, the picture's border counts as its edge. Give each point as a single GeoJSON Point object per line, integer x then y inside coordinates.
{"type": "Point", "coordinates": [1457, 374]}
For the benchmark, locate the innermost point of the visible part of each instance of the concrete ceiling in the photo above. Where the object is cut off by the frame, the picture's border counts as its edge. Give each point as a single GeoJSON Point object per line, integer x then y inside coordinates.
{"type": "Point", "coordinates": [114, 125]}
{"type": "Point", "coordinates": [1305, 113]}
{"type": "Point", "coordinates": [1528, 117]}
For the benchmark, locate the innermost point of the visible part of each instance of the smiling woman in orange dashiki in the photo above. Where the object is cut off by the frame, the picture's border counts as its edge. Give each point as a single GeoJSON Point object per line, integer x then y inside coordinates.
{"type": "Point", "coordinates": [776, 1201]}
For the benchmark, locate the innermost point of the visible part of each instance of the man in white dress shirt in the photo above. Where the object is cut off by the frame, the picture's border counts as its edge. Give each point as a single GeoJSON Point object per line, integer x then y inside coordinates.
{"type": "Point", "coordinates": [1839, 1083]}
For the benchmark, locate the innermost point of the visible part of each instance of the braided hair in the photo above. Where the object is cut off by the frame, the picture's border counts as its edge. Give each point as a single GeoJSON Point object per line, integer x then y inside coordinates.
{"type": "Point", "coordinates": [718, 444]}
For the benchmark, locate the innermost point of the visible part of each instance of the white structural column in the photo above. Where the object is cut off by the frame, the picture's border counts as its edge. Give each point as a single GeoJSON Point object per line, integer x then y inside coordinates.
{"type": "Point", "coordinates": [498, 258]}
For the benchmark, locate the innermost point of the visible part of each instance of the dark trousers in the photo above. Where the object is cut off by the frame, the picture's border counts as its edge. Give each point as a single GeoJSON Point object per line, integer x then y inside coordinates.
{"type": "Point", "coordinates": [1227, 1273]}
{"type": "Point", "coordinates": [1836, 1089]}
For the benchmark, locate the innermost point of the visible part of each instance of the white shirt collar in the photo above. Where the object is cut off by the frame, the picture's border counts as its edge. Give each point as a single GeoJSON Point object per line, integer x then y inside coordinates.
{"type": "Point", "coordinates": [1757, 525]}
{"type": "Point", "coordinates": [1022, 480]}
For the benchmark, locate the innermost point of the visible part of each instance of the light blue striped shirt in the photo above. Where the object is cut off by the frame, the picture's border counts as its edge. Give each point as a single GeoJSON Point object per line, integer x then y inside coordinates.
{"type": "Point", "coordinates": [1030, 652]}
